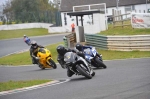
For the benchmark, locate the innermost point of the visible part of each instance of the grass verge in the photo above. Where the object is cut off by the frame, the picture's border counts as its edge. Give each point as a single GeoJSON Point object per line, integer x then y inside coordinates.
{"type": "Point", "coordinates": [10, 85]}
{"type": "Point", "coordinates": [7, 34]}
{"type": "Point", "coordinates": [25, 59]}
{"type": "Point", "coordinates": [127, 30]}
{"type": "Point", "coordinates": [111, 55]}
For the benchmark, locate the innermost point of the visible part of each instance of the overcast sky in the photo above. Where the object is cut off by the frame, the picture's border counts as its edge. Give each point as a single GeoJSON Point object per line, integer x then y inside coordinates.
{"type": "Point", "coordinates": [2, 1]}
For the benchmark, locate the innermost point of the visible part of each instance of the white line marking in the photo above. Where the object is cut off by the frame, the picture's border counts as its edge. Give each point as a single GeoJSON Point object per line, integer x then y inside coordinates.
{"type": "Point", "coordinates": [22, 65]}
{"type": "Point", "coordinates": [129, 59]}
{"type": "Point", "coordinates": [32, 87]}
{"type": "Point", "coordinates": [59, 34]}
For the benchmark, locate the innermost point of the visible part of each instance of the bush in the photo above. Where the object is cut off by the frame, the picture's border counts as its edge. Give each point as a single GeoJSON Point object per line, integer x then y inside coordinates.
{"type": "Point", "coordinates": [4, 21]}
{"type": "Point", "coordinates": [9, 22]}
{"type": "Point", "coordinates": [1, 23]}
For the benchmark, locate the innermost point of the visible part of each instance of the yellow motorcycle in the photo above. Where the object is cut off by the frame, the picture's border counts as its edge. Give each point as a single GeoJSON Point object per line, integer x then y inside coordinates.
{"type": "Point", "coordinates": [45, 59]}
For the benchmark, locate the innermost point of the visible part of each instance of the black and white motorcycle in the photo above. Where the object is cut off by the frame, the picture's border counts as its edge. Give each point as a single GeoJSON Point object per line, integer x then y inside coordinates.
{"type": "Point", "coordinates": [78, 65]}
{"type": "Point", "coordinates": [92, 56]}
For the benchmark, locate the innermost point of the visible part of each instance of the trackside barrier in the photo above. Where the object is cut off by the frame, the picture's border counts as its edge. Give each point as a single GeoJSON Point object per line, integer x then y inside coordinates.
{"type": "Point", "coordinates": [71, 40]}
{"type": "Point", "coordinates": [25, 26]}
{"type": "Point", "coordinates": [120, 43]}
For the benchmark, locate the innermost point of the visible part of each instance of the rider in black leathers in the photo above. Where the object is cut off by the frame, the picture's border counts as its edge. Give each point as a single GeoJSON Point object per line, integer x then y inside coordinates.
{"type": "Point", "coordinates": [81, 48]}
{"type": "Point", "coordinates": [33, 52]}
{"type": "Point", "coordinates": [61, 52]}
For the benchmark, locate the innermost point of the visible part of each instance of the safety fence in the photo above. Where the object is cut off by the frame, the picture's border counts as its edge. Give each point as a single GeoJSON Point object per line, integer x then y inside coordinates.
{"type": "Point", "coordinates": [118, 20]}
{"type": "Point", "coordinates": [121, 43]}
{"type": "Point", "coordinates": [25, 26]}
{"type": "Point", "coordinates": [70, 40]}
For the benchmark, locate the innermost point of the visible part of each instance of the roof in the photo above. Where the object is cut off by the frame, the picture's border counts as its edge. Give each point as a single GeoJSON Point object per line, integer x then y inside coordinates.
{"type": "Point", "coordinates": [83, 13]}
{"type": "Point", "coordinates": [66, 5]}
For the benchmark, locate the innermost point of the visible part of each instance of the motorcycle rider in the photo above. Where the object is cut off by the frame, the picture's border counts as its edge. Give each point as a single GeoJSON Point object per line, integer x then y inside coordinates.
{"type": "Point", "coordinates": [33, 52]}
{"type": "Point", "coordinates": [61, 52]}
{"type": "Point", "coordinates": [81, 48]}
{"type": "Point", "coordinates": [26, 39]}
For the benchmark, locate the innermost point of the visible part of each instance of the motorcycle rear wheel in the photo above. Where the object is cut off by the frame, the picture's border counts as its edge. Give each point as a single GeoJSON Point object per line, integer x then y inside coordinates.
{"type": "Point", "coordinates": [53, 64]}
{"type": "Point", "coordinates": [83, 72]}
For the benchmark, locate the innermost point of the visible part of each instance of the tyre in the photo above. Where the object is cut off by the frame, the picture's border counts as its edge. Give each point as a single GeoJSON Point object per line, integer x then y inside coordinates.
{"type": "Point", "coordinates": [83, 72]}
{"type": "Point", "coordinates": [41, 67]}
{"type": "Point", "coordinates": [100, 63]}
{"type": "Point", "coordinates": [93, 74]}
{"type": "Point", "coordinates": [53, 64]}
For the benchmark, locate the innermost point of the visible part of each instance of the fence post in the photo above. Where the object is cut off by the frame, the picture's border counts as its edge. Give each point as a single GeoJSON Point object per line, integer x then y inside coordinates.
{"type": "Point", "coordinates": [113, 13]}
{"type": "Point", "coordinates": [119, 14]}
{"type": "Point", "coordinates": [122, 20]}
{"type": "Point", "coordinates": [68, 41]}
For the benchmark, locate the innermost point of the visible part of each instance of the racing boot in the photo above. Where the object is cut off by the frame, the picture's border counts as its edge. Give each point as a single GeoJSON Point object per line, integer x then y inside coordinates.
{"type": "Point", "coordinates": [69, 72]}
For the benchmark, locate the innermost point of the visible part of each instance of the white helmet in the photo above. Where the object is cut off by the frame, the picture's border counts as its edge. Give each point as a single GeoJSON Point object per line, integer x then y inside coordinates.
{"type": "Point", "coordinates": [34, 44]}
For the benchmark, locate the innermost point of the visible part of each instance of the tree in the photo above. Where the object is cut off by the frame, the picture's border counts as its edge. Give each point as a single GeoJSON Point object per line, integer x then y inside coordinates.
{"type": "Point", "coordinates": [29, 10]}
{"type": "Point", "coordinates": [8, 12]}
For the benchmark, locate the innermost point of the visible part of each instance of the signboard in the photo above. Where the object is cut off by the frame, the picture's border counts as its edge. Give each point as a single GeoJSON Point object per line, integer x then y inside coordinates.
{"type": "Point", "coordinates": [140, 20]}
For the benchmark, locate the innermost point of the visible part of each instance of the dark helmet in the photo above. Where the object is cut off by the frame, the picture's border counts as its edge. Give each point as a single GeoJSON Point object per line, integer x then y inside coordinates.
{"type": "Point", "coordinates": [61, 50]}
{"type": "Point", "coordinates": [79, 46]}
{"type": "Point", "coordinates": [34, 44]}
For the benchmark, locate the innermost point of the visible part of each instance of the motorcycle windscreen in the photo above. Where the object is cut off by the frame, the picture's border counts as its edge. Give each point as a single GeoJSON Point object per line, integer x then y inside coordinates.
{"type": "Point", "coordinates": [70, 57]}
{"type": "Point", "coordinates": [88, 52]}
{"type": "Point", "coordinates": [42, 50]}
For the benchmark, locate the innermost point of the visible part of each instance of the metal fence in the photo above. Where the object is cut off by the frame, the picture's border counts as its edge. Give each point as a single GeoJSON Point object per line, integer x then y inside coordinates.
{"type": "Point", "coordinates": [121, 43]}
{"type": "Point", "coordinates": [70, 40]}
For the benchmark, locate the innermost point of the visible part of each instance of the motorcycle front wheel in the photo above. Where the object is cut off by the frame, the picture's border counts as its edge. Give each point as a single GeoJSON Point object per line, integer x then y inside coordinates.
{"type": "Point", "coordinates": [52, 63]}
{"type": "Point", "coordinates": [100, 63]}
{"type": "Point", "coordinates": [41, 67]}
{"type": "Point", "coordinates": [83, 72]}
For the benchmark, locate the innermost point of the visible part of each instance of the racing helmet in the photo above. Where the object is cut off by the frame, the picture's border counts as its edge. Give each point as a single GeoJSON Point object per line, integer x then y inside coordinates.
{"type": "Point", "coordinates": [34, 44]}
{"type": "Point", "coordinates": [24, 35]}
{"type": "Point", "coordinates": [79, 46]}
{"type": "Point", "coordinates": [61, 50]}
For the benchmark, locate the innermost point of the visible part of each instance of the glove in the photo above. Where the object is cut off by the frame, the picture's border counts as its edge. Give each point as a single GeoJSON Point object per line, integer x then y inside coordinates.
{"type": "Point", "coordinates": [37, 58]}
{"type": "Point", "coordinates": [63, 66]}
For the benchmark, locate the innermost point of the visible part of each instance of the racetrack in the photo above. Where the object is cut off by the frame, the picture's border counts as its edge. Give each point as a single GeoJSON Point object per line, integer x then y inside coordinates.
{"type": "Point", "coordinates": [123, 79]}
{"type": "Point", "coordinates": [13, 45]}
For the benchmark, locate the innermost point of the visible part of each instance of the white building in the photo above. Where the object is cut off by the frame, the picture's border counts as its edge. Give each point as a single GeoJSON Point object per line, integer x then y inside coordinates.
{"type": "Point", "coordinates": [126, 6]}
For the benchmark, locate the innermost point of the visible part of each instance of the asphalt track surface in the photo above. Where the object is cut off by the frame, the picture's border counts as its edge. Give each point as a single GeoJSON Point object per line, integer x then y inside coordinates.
{"type": "Point", "coordinates": [123, 79]}
{"type": "Point", "coordinates": [14, 45]}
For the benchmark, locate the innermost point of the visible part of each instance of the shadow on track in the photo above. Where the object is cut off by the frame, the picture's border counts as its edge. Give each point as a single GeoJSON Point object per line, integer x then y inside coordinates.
{"type": "Point", "coordinates": [78, 79]}
{"type": "Point", "coordinates": [38, 70]}
{"type": "Point", "coordinates": [100, 68]}
{"type": "Point", "coordinates": [43, 69]}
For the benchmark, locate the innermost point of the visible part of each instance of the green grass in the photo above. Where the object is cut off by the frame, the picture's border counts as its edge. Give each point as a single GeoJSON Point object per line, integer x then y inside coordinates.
{"type": "Point", "coordinates": [110, 55]}
{"type": "Point", "coordinates": [7, 34]}
{"type": "Point", "coordinates": [10, 85]}
{"type": "Point", "coordinates": [127, 30]}
{"type": "Point", "coordinates": [24, 58]}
